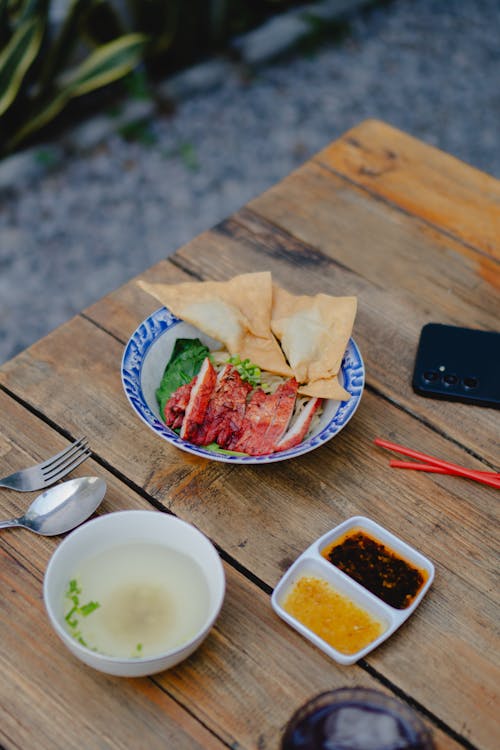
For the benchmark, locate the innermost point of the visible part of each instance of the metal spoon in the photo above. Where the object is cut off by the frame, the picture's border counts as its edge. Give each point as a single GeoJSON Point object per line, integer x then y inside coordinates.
{"type": "Point", "coordinates": [62, 507]}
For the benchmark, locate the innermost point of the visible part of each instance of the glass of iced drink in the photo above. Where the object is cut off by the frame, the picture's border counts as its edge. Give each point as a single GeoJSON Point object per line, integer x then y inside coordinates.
{"type": "Point", "coordinates": [356, 719]}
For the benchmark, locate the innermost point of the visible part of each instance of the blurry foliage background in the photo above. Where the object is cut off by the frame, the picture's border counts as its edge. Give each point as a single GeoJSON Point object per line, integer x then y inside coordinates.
{"type": "Point", "coordinates": [54, 53]}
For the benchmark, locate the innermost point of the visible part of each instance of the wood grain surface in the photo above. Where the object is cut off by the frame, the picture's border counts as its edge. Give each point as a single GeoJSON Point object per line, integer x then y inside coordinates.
{"type": "Point", "coordinates": [444, 192]}
{"type": "Point", "coordinates": [413, 234]}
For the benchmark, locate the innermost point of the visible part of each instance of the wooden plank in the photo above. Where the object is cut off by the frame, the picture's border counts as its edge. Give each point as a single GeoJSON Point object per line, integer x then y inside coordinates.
{"type": "Point", "coordinates": [224, 684]}
{"type": "Point", "coordinates": [249, 513]}
{"type": "Point", "coordinates": [422, 180]}
{"type": "Point", "coordinates": [378, 242]}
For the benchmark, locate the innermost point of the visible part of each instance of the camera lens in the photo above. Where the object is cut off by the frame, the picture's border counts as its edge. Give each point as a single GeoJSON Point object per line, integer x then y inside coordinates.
{"type": "Point", "coordinates": [450, 379]}
{"type": "Point", "coordinates": [430, 376]}
{"type": "Point", "coordinates": [471, 382]}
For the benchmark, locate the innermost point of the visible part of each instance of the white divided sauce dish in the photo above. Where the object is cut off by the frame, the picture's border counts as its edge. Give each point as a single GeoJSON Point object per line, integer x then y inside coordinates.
{"type": "Point", "coordinates": [312, 563]}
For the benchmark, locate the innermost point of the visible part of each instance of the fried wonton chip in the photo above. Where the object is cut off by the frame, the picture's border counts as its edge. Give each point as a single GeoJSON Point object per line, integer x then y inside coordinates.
{"type": "Point", "coordinates": [330, 388]}
{"type": "Point", "coordinates": [236, 312]}
{"type": "Point", "coordinates": [313, 331]}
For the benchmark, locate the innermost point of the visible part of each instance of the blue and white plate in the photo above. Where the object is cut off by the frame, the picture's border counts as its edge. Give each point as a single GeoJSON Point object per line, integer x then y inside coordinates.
{"type": "Point", "coordinates": [148, 352]}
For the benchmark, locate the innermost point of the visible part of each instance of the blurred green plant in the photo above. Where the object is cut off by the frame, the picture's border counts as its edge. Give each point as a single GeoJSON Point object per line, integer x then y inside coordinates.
{"type": "Point", "coordinates": [46, 63]}
{"type": "Point", "coordinates": [38, 72]}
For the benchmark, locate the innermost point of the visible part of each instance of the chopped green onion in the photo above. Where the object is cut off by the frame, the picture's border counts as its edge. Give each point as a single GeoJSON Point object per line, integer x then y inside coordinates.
{"type": "Point", "coordinates": [87, 609]}
{"type": "Point", "coordinates": [246, 369]}
{"type": "Point", "coordinates": [76, 610]}
{"type": "Point", "coordinates": [71, 622]}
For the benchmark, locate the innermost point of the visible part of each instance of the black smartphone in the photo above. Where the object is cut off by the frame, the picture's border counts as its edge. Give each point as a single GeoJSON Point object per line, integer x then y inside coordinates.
{"type": "Point", "coordinates": [458, 364]}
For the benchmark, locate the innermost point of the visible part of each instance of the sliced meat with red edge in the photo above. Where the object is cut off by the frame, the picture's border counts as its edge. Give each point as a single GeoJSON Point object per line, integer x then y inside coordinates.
{"type": "Point", "coordinates": [300, 426]}
{"type": "Point", "coordinates": [175, 408]}
{"type": "Point", "coordinates": [266, 419]}
{"type": "Point", "coordinates": [192, 424]}
{"type": "Point", "coordinates": [226, 410]}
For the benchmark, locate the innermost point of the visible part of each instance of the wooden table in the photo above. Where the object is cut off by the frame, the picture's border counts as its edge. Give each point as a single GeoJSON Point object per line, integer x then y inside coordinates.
{"type": "Point", "coordinates": [414, 234]}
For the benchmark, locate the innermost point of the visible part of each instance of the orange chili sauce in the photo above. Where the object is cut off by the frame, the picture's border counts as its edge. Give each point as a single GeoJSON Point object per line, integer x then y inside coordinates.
{"type": "Point", "coordinates": [376, 567]}
{"type": "Point", "coordinates": [331, 615]}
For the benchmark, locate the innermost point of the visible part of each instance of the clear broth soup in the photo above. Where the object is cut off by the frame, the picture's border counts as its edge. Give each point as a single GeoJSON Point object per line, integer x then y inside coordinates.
{"type": "Point", "coordinates": [136, 600]}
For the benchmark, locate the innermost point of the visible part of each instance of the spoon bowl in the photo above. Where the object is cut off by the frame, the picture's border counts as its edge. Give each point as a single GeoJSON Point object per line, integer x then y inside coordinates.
{"type": "Point", "coordinates": [62, 507]}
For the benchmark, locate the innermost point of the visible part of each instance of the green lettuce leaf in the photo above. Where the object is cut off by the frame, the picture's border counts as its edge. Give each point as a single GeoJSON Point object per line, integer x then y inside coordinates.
{"type": "Point", "coordinates": [215, 448]}
{"type": "Point", "coordinates": [185, 362]}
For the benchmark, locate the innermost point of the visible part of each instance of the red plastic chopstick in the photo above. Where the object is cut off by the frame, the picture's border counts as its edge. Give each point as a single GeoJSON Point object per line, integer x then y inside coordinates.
{"type": "Point", "coordinates": [436, 469]}
{"type": "Point", "coordinates": [436, 464]}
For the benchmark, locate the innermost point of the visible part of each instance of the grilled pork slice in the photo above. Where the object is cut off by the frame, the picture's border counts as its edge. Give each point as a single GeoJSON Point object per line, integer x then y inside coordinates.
{"type": "Point", "coordinates": [203, 386]}
{"type": "Point", "coordinates": [299, 428]}
{"type": "Point", "coordinates": [175, 408]}
{"type": "Point", "coordinates": [257, 416]}
{"type": "Point", "coordinates": [266, 419]}
{"type": "Point", "coordinates": [226, 409]}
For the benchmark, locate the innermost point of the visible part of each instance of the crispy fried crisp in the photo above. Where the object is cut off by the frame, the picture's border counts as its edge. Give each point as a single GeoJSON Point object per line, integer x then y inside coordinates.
{"type": "Point", "coordinates": [248, 311]}
{"type": "Point", "coordinates": [235, 312]}
{"type": "Point", "coordinates": [330, 388]}
{"type": "Point", "coordinates": [314, 332]}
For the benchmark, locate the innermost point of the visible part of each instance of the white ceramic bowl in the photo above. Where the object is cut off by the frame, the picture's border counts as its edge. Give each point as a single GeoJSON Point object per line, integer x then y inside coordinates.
{"type": "Point", "coordinates": [148, 352]}
{"type": "Point", "coordinates": [131, 526]}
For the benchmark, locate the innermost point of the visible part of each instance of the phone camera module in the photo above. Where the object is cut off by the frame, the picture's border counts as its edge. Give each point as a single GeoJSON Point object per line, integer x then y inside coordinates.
{"type": "Point", "coordinates": [450, 379]}
{"type": "Point", "coordinates": [471, 382]}
{"type": "Point", "coordinates": [430, 376]}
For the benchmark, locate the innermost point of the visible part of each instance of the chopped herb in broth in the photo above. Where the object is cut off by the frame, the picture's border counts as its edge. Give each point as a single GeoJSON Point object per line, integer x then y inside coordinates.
{"type": "Point", "coordinates": [77, 610]}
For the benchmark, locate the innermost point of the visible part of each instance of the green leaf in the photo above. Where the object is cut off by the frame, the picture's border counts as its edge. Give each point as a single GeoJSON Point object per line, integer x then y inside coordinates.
{"type": "Point", "coordinates": [57, 56]}
{"type": "Point", "coordinates": [106, 64]}
{"type": "Point", "coordinates": [44, 114]}
{"type": "Point", "coordinates": [33, 8]}
{"type": "Point", "coordinates": [137, 85]}
{"type": "Point", "coordinates": [17, 58]}
{"type": "Point", "coordinates": [185, 362]}
{"type": "Point", "coordinates": [5, 29]}
{"type": "Point", "coordinates": [215, 448]}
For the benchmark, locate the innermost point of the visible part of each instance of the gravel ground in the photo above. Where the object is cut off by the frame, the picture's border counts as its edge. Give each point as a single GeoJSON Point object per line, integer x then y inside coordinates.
{"type": "Point", "coordinates": [431, 68]}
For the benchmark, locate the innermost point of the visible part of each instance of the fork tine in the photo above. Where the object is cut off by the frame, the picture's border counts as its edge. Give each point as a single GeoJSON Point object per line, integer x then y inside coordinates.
{"type": "Point", "coordinates": [61, 464]}
{"type": "Point", "coordinates": [61, 471]}
{"type": "Point", "coordinates": [54, 461]}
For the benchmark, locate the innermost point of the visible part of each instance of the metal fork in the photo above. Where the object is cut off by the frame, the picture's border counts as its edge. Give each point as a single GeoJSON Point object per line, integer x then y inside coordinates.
{"type": "Point", "coordinates": [48, 472]}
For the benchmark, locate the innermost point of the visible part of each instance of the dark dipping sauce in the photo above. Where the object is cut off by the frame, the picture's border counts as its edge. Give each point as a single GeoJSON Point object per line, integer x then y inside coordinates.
{"type": "Point", "coordinates": [356, 723]}
{"type": "Point", "coordinates": [376, 567]}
